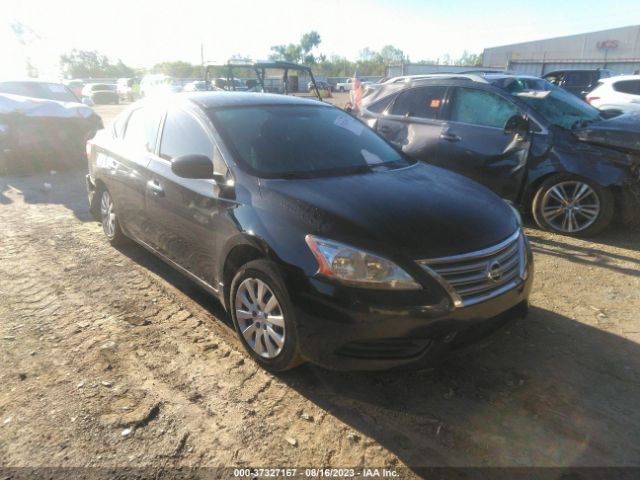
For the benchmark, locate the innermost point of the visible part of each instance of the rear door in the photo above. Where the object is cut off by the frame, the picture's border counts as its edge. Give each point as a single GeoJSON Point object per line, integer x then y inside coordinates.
{"type": "Point", "coordinates": [413, 121]}
{"type": "Point", "coordinates": [473, 141]}
{"type": "Point", "coordinates": [186, 213]}
{"type": "Point", "coordinates": [125, 167]}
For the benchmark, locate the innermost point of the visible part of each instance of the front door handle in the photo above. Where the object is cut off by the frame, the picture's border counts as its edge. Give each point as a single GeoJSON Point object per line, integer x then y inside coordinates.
{"type": "Point", "coordinates": [450, 137]}
{"type": "Point", "coordinates": [155, 188]}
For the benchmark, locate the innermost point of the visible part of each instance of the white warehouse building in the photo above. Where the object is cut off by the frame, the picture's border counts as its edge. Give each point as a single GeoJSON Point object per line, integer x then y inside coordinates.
{"type": "Point", "coordinates": [617, 49]}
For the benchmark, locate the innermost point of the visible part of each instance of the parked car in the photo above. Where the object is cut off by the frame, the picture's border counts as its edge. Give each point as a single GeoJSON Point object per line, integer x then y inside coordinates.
{"type": "Point", "coordinates": [42, 127]}
{"type": "Point", "coordinates": [578, 82]}
{"type": "Point", "coordinates": [621, 93]}
{"type": "Point", "coordinates": [232, 85]}
{"type": "Point", "coordinates": [158, 84]}
{"type": "Point", "coordinates": [321, 84]}
{"type": "Point", "coordinates": [76, 87]}
{"type": "Point", "coordinates": [39, 89]}
{"type": "Point", "coordinates": [522, 137]}
{"type": "Point", "coordinates": [197, 86]}
{"type": "Point", "coordinates": [345, 86]}
{"type": "Point", "coordinates": [101, 93]}
{"type": "Point", "coordinates": [128, 89]}
{"type": "Point", "coordinates": [323, 242]}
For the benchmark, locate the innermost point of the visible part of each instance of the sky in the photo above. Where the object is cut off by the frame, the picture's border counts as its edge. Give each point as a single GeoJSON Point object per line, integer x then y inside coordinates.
{"type": "Point", "coordinates": [142, 32]}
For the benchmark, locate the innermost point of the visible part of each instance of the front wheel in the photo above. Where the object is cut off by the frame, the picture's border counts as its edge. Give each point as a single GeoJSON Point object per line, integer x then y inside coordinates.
{"type": "Point", "coordinates": [571, 205]}
{"type": "Point", "coordinates": [263, 316]}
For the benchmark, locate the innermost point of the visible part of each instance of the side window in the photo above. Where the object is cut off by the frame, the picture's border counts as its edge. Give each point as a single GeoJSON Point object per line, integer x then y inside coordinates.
{"type": "Point", "coordinates": [183, 135]}
{"type": "Point", "coordinates": [142, 128]}
{"type": "Point", "coordinates": [380, 105]}
{"type": "Point", "coordinates": [627, 86]}
{"type": "Point", "coordinates": [478, 107]}
{"type": "Point", "coordinates": [577, 79]}
{"type": "Point", "coordinates": [421, 102]}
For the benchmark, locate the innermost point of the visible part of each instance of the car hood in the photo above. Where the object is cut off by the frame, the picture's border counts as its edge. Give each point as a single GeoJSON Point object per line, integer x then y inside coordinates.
{"type": "Point", "coordinates": [421, 211]}
{"type": "Point", "coordinates": [38, 107]}
{"type": "Point", "coordinates": [621, 132]}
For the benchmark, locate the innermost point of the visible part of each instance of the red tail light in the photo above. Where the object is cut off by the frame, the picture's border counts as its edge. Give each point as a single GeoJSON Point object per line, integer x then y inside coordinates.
{"type": "Point", "coordinates": [591, 99]}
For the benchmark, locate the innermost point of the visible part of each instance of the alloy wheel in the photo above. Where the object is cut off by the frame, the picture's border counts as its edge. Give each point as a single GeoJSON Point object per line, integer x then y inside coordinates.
{"type": "Point", "coordinates": [570, 206]}
{"type": "Point", "coordinates": [107, 215]}
{"type": "Point", "coordinates": [260, 318]}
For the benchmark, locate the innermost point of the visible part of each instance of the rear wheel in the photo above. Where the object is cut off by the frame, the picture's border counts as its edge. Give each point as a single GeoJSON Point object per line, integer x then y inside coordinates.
{"type": "Point", "coordinates": [263, 316]}
{"type": "Point", "coordinates": [571, 205]}
{"type": "Point", "coordinates": [109, 220]}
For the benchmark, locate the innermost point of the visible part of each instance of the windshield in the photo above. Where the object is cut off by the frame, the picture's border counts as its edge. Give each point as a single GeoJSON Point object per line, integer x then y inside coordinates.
{"type": "Point", "coordinates": [48, 91]}
{"type": "Point", "coordinates": [288, 141]}
{"type": "Point", "coordinates": [557, 106]}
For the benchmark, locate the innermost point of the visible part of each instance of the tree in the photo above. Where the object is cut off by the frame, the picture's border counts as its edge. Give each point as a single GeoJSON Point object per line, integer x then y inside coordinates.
{"type": "Point", "coordinates": [88, 64]}
{"type": "Point", "coordinates": [469, 59]}
{"type": "Point", "coordinates": [299, 53]}
{"type": "Point", "coordinates": [178, 69]}
{"type": "Point", "coordinates": [391, 55]}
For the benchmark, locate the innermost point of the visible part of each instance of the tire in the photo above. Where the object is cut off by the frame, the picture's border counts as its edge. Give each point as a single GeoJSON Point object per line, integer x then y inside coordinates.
{"type": "Point", "coordinates": [341, 89]}
{"type": "Point", "coordinates": [109, 219]}
{"type": "Point", "coordinates": [572, 205]}
{"type": "Point", "coordinates": [262, 332]}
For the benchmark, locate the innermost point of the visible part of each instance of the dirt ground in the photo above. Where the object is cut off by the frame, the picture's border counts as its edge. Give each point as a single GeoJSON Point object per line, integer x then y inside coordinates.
{"type": "Point", "coordinates": [110, 358]}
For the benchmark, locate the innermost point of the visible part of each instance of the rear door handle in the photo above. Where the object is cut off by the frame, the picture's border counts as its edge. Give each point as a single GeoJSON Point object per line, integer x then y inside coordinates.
{"type": "Point", "coordinates": [155, 188]}
{"type": "Point", "coordinates": [450, 137]}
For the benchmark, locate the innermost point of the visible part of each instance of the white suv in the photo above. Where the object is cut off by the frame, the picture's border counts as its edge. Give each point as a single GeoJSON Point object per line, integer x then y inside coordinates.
{"type": "Point", "coordinates": [617, 93]}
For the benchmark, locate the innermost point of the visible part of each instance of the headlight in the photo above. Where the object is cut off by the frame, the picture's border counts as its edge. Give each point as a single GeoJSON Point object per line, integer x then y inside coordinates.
{"type": "Point", "coordinates": [358, 268]}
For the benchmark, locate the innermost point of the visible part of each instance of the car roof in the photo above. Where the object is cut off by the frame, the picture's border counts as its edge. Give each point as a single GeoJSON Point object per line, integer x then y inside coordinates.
{"type": "Point", "coordinates": [618, 78]}
{"type": "Point", "coordinates": [30, 80]}
{"type": "Point", "coordinates": [234, 99]}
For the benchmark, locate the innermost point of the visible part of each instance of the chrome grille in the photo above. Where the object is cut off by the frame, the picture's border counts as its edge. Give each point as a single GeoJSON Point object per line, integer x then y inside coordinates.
{"type": "Point", "coordinates": [474, 277]}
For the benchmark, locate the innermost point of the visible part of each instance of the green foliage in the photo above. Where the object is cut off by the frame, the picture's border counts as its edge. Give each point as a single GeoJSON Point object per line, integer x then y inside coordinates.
{"type": "Point", "coordinates": [299, 53]}
{"type": "Point", "coordinates": [178, 69]}
{"type": "Point", "coordinates": [88, 64]}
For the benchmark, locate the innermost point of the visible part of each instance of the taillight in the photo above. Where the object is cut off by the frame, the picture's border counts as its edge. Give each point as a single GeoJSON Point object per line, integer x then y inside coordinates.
{"type": "Point", "coordinates": [591, 99]}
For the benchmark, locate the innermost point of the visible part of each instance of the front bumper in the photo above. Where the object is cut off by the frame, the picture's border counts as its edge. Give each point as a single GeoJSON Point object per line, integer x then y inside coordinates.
{"type": "Point", "coordinates": [338, 330]}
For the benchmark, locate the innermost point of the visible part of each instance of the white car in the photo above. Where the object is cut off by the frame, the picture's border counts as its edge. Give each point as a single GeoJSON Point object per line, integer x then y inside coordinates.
{"type": "Point", "coordinates": [617, 93]}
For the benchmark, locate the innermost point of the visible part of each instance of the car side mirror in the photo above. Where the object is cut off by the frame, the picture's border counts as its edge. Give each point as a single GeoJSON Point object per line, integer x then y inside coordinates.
{"type": "Point", "coordinates": [193, 166]}
{"type": "Point", "coordinates": [517, 125]}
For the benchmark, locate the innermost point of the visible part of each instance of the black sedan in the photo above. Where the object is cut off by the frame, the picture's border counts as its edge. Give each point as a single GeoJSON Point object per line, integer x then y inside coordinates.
{"type": "Point", "coordinates": [529, 141]}
{"type": "Point", "coordinates": [322, 241]}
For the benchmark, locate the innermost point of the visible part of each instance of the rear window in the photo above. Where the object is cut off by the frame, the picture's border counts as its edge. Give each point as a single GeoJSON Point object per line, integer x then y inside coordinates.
{"type": "Point", "coordinates": [291, 141]}
{"type": "Point", "coordinates": [627, 86]}
{"type": "Point", "coordinates": [380, 105]}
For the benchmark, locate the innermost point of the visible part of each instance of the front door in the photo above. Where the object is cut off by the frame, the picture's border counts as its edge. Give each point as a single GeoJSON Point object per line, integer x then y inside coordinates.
{"type": "Point", "coordinates": [473, 141]}
{"type": "Point", "coordinates": [187, 214]}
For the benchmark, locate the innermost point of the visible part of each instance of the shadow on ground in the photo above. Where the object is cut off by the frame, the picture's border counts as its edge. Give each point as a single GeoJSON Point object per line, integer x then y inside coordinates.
{"type": "Point", "coordinates": [545, 391]}
{"type": "Point", "coordinates": [65, 188]}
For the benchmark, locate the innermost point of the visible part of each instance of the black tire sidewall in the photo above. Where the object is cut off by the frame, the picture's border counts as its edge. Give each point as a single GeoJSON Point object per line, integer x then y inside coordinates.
{"type": "Point", "coordinates": [604, 196]}
{"type": "Point", "coordinates": [267, 271]}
